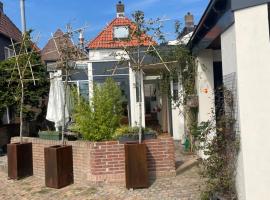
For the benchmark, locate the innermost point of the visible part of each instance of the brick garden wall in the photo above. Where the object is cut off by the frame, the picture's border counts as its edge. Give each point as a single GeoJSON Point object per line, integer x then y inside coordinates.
{"type": "Point", "coordinates": [105, 161]}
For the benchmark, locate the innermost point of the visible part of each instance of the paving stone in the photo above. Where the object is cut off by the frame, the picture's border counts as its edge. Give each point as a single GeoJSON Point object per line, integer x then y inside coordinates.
{"type": "Point", "coordinates": [183, 186]}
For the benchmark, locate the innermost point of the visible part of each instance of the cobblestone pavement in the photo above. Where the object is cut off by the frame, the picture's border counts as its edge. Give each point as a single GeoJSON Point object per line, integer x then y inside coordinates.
{"type": "Point", "coordinates": [185, 186]}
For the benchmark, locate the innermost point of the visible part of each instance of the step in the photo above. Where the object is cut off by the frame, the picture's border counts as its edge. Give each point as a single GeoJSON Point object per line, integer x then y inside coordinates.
{"type": "Point", "coordinates": [187, 164]}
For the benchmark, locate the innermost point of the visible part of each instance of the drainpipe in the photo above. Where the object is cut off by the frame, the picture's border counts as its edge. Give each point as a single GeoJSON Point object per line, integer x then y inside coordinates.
{"type": "Point", "coordinates": [23, 20]}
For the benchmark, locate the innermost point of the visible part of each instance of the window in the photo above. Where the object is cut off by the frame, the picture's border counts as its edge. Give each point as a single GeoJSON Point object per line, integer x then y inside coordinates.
{"type": "Point", "coordinates": [8, 53]}
{"type": "Point", "coordinates": [84, 89]}
{"type": "Point", "coordinates": [138, 89]}
{"type": "Point", "coordinates": [120, 32]}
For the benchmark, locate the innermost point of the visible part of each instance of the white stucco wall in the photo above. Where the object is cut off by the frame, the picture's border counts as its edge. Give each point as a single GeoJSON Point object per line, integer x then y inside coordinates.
{"type": "Point", "coordinates": [228, 48]}
{"type": "Point", "coordinates": [229, 66]}
{"type": "Point", "coordinates": [253, 74]}
{"type": "Point", "coordinates": [107, 55]}
{"type": "Point", "coordinates": [205, 86]}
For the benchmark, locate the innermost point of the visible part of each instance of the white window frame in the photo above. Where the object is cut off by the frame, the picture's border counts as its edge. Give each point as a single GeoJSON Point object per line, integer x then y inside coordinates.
{"type": "Point", "coordinates": [8, 53]}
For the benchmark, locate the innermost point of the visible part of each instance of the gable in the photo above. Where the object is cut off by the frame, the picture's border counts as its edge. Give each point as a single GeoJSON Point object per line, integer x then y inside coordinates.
{"type": "Point", "coordinates": [106, 40]}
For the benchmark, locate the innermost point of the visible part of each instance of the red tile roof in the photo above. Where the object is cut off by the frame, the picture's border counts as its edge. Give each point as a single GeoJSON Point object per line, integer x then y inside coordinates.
{"type": "Point", "coordinates": [8, 28]}
{"type": "Point", "coordinates": [105, 38]}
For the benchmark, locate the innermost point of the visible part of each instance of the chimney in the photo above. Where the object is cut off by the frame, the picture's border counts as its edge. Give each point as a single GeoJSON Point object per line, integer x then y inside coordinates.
{"type": "Point", "coordinates": [1, 7]}
{"type": "Point", "coordinates": [189, 20]}
{"type": "Point", "coordinates": [120, 10]}
{"type": "Point", "coordinates": [81, 39]}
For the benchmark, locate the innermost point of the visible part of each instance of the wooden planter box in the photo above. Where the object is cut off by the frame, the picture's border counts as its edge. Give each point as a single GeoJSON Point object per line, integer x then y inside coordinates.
{"type": "Point", "coordinates": [20, 160]}
{"type": "Point", "coordinates": [58, 166]}
{"type": "Point", "coordinates": [136, 166]}
{"type": "Point", "coordinates": [47, 135]}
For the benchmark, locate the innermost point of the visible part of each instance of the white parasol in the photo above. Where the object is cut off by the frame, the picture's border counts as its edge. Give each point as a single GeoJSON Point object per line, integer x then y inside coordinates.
{"type": "Point", "coordinates": [56, 101]}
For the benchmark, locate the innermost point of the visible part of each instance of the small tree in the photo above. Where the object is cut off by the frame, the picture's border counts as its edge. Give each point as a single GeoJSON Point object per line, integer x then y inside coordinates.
{"type": "Point", "coordinates": [98, 120]}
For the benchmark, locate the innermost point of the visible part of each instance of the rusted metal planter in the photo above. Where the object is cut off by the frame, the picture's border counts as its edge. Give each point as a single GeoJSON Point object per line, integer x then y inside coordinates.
{"type": "Point", "coordinates": [136, 166]}
{"type": "Point", "coordinates": [20, 160]}
{"type": "Point", "coordinates": [58, 166]}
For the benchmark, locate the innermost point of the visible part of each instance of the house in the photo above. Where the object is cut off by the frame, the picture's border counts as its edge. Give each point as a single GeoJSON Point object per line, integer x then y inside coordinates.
{"type": "Point", "coordinates": [231, 44]}
{"type": "Point", "coordinates": [185, 35]}
{"type": "Point", "coordinates": [8, 30]}
{"type": "Point", "coordinates": [50, 55]}
{"type": "Point", "coordinates": [106, 53]}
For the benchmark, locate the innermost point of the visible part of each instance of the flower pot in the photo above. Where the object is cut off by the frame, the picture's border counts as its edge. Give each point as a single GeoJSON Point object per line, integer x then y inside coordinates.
{"type": "Point", "coordinates": [136, 166]}
{"type": "Point", "coordinates": [20, 160]}
{"type": "Point", "coordinates": [58, 166]}
{"type": "Point", "coordinates": [49, 135]}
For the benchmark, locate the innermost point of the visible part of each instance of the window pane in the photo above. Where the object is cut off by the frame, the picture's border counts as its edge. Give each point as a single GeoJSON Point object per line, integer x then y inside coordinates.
{"type": "Point", "coordinates": [84, 90]}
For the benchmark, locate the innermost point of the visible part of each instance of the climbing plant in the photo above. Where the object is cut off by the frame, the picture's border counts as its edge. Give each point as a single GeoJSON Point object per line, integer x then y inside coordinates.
{"type": "Point", "coordinates": [218, 141]}
{"type": "Point", "coordinates": [184, 71]}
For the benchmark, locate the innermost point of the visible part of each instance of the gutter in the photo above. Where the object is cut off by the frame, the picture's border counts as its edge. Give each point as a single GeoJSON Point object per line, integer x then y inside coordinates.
{"type": "Point", "coordinates": [217, 17]}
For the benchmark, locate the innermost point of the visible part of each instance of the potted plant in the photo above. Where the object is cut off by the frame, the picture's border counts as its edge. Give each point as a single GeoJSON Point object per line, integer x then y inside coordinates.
{"type": "Point", "coordinates": [59, 159]}
{"type": "Point", "coordinates": [20, 161]}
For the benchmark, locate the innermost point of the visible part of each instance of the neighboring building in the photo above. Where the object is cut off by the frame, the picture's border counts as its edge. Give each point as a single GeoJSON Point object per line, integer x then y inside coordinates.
{"type": "Point", "coordinates": [231, 43]}
{"type": "Point", "coordinates": [8, 31]}
{"type": "Point", "coordinates": [50, 56]}
{"type": "Point", "coordinates": [187, 31]}
{"type": "Point", "coordinates": [106, 53]}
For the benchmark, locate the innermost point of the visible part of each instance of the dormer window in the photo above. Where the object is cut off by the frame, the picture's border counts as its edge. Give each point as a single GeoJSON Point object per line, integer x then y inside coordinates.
{"type": "Point", "coordinates": [120, 32]}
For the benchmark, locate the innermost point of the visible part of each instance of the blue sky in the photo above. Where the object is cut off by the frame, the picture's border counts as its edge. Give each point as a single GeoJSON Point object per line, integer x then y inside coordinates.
{"type": "Point", "coordinates": [45, 16]}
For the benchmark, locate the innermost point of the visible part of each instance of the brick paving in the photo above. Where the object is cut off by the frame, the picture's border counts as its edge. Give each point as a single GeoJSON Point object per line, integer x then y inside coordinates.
{"type": "Point", "coordinates": [185, 186]}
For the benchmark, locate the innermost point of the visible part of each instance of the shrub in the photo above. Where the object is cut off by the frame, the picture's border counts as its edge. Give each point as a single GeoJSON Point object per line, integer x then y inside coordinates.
{"type": "Point", "coordinates": [99, 119]}
{"type": "Point", "coordinates": [130, 131]}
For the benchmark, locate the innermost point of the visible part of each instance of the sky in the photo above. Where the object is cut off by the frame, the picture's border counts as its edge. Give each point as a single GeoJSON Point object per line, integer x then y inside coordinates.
{"type": "Point", "coordinates": [46, 16]}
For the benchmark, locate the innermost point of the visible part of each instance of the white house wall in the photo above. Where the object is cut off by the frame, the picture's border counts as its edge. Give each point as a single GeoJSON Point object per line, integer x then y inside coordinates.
{"type": "Point", "coordinates": [253, 73]}
{"type": "Point", "coordinates": [228, 48]}
{"type": "Point", "coordinates": [107, 55]}
{"type": "Point", "coordinates": [205, 86]}
{"type": "Point", "coordinates": [229, 66]}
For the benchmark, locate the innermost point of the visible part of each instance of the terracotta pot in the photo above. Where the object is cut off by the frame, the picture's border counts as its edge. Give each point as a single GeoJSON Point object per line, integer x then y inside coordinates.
{"type": "Point", "coordinates": [58, 166]}
{"type": "Point", "coordinates": [136, 166]}
{"type": "Point", "coordinates": [20, 160]}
